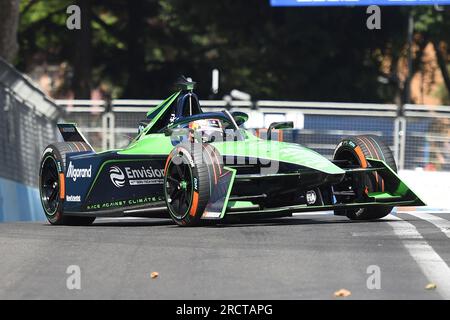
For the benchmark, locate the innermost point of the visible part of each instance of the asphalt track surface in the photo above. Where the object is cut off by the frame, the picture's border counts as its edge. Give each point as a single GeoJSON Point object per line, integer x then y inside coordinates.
{"type": "Point", "coordinates": [303, 257]}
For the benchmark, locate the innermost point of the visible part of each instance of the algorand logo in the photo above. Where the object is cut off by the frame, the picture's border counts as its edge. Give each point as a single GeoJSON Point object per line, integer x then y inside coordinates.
{"type": "Point", "coordinates": [76, 173]}
{"type": "Point", "coordinates": [117, 176]}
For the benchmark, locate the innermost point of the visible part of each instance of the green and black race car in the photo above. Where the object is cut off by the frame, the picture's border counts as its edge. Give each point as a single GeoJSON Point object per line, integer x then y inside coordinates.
{"type": "Point", "coordinates": [195, 166]}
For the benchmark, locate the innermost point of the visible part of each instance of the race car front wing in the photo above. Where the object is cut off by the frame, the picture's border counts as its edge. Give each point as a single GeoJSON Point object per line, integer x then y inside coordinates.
{"type": "Point", "coordinates": [396, 193]}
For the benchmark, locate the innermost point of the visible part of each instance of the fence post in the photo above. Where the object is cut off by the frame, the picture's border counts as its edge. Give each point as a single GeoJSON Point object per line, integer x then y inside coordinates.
{"type": "Point", "coordinates": [108, 131]}
{"type": "Point", "coordinates": [400, 141]}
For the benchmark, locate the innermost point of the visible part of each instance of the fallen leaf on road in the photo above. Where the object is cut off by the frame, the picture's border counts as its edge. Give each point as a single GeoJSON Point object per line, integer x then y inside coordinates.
{"type": "Point", "coordinates": [430, 286]}
{"type": "Point", "coordinates": [342, 293]}
{"type": "Point", "coordinates": [154, 275]}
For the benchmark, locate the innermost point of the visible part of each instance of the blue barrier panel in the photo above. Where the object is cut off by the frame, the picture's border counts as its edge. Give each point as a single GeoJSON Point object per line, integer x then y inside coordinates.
{"type": "Point", "coordinates": [19, 202]}
{"type": "Point", "coordinates": [336, 3]}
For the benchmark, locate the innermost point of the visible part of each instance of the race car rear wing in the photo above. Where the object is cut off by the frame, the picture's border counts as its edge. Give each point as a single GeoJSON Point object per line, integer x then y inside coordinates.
{"type": "Point", "coordinates": [70, 133]}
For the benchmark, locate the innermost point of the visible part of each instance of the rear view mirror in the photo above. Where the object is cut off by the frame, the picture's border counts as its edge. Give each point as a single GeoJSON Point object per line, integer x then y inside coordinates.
{"type": "Point", "coordinates": [239, 117]}
{"type": "Point", "coordinates": [278, 126]}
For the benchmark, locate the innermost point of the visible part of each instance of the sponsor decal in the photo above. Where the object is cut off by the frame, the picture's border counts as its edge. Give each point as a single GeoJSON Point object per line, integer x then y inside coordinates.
{"type": "Point", "coordinates": [172, 118]}
{"type": "Point", "coordinates": [311, 197]}
{"type": "Point", "coordinates": [136, 176]}
{"type": "Point", "coordinates": [195, 183]}
{"type": "Point", "coordinates": [117, 177]}
{"type": "Point", "coordinates": [70, 198]}
{"type": "Point", "coordinates": [76, 173]}
{"type": "Point", "coordinates": [191, 161]}
{"type": "Point", "coordinates": [67, 129]}
{"type": "Point", "coordinates": [123, 203]}
{"type": "Point", "coordinates": [188, 156]}
{"type": "Point", "coordinates": [349, 143]}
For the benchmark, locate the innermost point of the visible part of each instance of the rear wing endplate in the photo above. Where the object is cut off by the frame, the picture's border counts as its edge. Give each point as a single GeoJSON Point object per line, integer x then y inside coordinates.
{"type": "Point", "coordinates": [70, 133]}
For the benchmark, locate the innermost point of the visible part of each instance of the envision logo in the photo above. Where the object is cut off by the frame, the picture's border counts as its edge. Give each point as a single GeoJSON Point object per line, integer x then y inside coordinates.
{"type": "Point", "coordinates": [144, 173]}
{"type": "Point", "coordinates": [117, 177]}
{"type": "Point", "coordinates": [74, 173]}
{"type": "Point", "coordinates": [136, 176]}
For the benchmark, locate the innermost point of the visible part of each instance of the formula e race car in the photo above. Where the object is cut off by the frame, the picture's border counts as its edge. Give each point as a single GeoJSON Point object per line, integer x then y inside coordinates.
{"type": "Point", "coordinates": [195, 166]}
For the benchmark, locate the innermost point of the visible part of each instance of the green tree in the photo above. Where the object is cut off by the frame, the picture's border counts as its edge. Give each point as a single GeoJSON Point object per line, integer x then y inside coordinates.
{"type": "Point", "coordinates": [434, 26]}
{"type": "Point", "coordinates": [140, 47]}
{"type": "Point", "coordinates": [9, 17]}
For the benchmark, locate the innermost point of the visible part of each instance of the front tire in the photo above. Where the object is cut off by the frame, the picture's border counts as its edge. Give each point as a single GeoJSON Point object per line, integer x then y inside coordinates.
{"type": "Point", "coordinates": [190, 174]}
{"type": "Point", "coordinates": [356, 150]}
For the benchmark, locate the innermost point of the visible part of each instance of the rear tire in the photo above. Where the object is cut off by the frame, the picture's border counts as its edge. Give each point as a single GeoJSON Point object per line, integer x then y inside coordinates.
{"type": "Point", "coordinates": [51, 183]}
{"type": "Point", "coordinates": [356, 150]}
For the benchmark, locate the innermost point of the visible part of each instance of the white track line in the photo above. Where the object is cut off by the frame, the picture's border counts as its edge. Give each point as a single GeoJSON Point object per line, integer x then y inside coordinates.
{"type": "Point", "coordinates": [431, 264]}
{"type": "Point", "coordinates": [313, 213]}
{"type": "Point", "coordinates": [440, 223]}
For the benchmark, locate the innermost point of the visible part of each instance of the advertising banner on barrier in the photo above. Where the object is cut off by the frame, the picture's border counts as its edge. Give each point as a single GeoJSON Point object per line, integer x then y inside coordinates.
{"type": "Point", "coordinates": [336, 3]}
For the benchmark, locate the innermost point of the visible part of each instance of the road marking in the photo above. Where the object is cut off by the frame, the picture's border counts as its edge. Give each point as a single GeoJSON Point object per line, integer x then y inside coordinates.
{"type": "Point", "coordinates": [440, 223]}
{"type": "Point", "coordinates": [313, 213]}
{"type": "Point", "coordinates": [431, 264]}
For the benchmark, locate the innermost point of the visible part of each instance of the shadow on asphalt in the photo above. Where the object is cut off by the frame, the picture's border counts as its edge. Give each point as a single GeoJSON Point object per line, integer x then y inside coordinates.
{"type": "Point", "coordinates": [138, 223]}
{"type": "Point", "coordinates": [291, 222]}
{"type": "Point", "coordinates": [237, 224]}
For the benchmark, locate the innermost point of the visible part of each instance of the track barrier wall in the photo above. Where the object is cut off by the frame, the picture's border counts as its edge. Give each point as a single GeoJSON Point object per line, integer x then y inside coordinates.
{"type": "Point", "coordinates": [27, 125]}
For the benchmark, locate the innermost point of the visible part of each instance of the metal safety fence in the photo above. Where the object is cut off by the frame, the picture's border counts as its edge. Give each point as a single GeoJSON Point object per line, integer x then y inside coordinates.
{"type": "Point", "coordinates": [427, 137]}
{"type": "Point", "coordinates": [27, 125]}
{"type": "Point", "coordinates": [420, 138]}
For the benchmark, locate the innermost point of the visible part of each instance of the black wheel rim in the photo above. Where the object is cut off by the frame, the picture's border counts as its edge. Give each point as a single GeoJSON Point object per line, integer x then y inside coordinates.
{"type": "Point", "coordinates": [178, 188]}
{"type": "Point", "coordinates": [49, 186]}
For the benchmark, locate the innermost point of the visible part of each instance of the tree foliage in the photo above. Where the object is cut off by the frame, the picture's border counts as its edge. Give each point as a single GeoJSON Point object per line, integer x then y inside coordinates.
{"type": "Point", "coordinates": [9, 15]}
{"type": "Point", "coordinates": [140, 47]}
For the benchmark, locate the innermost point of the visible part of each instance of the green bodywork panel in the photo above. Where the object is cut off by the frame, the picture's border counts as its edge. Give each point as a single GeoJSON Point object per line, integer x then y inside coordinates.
{"type": "Point", "coordinates": [278, 151]}
{"type": "Point", "coordinates": [151, 144]}
{"type": "Point", "coordinates": [159, 111]}
{"type": "Point", "coordinates": [383, 196]}
{"type": "Point", "coordinates": [240, 204]}
{"type": "Point", "coordinates": [230, 187]}
{"type": "Point", "coordinates": [158, 143]}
